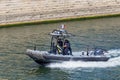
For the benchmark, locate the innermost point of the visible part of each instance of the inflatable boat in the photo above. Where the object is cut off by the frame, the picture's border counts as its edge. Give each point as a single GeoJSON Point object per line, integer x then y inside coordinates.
{"type": "Point", "coordinates": [43, 57]}
{"type": "Point", "coordinates": [55, 55]}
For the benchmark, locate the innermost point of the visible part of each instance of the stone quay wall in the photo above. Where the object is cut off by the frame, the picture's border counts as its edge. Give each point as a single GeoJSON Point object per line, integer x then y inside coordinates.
{"type": "Point", "coordinates": [12, 11]}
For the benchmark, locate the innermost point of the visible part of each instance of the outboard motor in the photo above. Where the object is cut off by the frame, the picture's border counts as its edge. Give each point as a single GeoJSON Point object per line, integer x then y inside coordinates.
{"type": "Point", "coordinates": [99, 52]}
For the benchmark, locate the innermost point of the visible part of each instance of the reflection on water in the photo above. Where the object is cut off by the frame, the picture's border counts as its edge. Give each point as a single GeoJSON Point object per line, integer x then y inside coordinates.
{"type": "Point", "coordinates": [50, 74]}
{"type": "Point", "coordinates": [14, 64]}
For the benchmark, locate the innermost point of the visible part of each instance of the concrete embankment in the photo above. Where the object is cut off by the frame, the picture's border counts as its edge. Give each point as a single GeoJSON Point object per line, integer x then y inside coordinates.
{"type": "Point", "coordinates": [17, 11]}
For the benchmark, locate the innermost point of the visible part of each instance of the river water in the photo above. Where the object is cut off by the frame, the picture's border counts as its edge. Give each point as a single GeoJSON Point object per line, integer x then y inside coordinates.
{"type": "Point", "coordinates": [101, 33]}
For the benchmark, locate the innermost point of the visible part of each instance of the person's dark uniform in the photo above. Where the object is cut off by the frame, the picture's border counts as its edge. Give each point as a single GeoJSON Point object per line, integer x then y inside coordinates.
{"type": "Point", "coordinates": [67, 48]}
{"type": "Point", "coordinates": [59, 46]}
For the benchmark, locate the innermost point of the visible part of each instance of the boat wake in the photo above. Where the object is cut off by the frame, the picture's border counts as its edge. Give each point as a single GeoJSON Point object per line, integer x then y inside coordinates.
{"type": "Point", "coordinates": [113, 62]}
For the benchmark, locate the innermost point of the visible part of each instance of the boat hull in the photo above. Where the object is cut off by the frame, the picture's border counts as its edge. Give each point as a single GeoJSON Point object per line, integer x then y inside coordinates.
{"type": "Point", "coordinates": [46, 58]}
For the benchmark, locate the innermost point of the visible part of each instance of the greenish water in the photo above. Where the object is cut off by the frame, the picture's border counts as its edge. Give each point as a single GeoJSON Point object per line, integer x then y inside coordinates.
{"type": "Point", "coordinates": [102, 33]}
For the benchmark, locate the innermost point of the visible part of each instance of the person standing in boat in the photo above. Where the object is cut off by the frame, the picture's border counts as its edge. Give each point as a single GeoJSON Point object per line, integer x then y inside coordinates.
{"type": "Point", "coordinates": [59, 46]}
{"type": "Point", "coordinates": [67, 48]}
